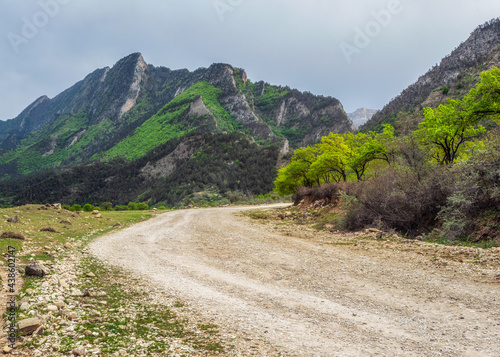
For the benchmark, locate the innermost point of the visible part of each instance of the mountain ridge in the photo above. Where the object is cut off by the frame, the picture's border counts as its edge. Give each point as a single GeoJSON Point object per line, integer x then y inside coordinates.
{"type": "Point", "coordinates": [133, 110]}
{"type": "Point", "coordinates": [447, 75]}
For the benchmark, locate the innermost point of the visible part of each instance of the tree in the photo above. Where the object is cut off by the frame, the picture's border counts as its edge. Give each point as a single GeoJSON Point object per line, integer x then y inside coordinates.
{"type": "Point", "coordinates": [447, 128]}
{"type": "Point", "coordinates": [297, 173]}
{"type": "Point", "coordinates": [483, 101]}
{"type": "Point", "coordinates": [332, 162]}
{"type": "Point", "coordinates": [365, 148]}
{"type": "Point", "coordinates": [334, 159]}
{"type": "Point", "coordinates": [106, 206]}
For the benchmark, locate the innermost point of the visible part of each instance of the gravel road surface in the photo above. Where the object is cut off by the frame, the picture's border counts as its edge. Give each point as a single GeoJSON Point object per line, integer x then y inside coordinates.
{"type": "Point", "coordinates": [305, 297]}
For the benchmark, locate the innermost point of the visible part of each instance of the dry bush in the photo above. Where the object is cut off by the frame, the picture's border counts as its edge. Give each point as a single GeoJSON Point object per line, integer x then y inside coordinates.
{"type": "Point", "coordinates": [327, 193]}
{"type": "Point", "coordinates": [475, 192]}
{"type": "Point", "coordinates": [398, 200]}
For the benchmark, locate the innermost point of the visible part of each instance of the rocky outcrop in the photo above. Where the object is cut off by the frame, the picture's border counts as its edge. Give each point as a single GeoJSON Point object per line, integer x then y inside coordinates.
{"type": "Point", "coordinates": [221, 75]}
{"type": "Point", "coordinates": [237, 105]}
{"type": "Point", "coordinates": [235, 102]}
{"type": "Point", "coordinates": [135, 87]}
{"type": "Point", "coordinates": [198, 108]}
{"type": "Point", "coordinates": [311, 115]}
{"type": "Point", "coordinates": [168, 164]}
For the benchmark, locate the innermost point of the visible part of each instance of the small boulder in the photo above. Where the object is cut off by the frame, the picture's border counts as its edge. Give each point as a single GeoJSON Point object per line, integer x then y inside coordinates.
{"type": "Point", "coordinates": [76, 292]}
{"type": "Point", "coordinates": [117, 224]}
{"type": "Point", "coordinates": [95, 313]}
{"type": "Point", "coordinates": [6, 350]}
{"type": "Point", "coordinates": [60, 304]}
{"type": "Point", "coordinates": [80, 351]}
{"type": "Point", "coordinates": [98, 215]}
{"type": "Point", "coordinates": [90, 275]}
{"type": "Point", "coordinates": [95, 211]}
{"type": "Point", "coordinates": [48, 229]}
{"type": "Point", "coordinates": [13, 219]}
{"type": "Point", "coordinates": [68, 223]}
{"type": "Point", "coordinates": [28, 326]}
{"type": "Point", "coordinates": [37, 269]}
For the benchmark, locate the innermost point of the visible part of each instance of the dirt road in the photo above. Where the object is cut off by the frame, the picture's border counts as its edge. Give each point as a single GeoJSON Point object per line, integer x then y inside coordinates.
{"type": "Point", "coordinates": [307, 297]}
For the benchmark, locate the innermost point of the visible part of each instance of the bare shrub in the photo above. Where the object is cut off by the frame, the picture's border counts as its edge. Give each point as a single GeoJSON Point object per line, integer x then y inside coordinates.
{"type": "Point", "coordinates": [302, 193]}
{"type": "Point", "coordinates": [327, 193]}
{"type": "Point", "coordinates": [398, 200]}
{"type": "Point", "coordinates": [475, 191]}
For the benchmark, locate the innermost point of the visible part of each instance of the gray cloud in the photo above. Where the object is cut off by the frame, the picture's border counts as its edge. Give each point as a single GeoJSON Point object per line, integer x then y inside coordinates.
{"type": "Point", "coordinates": [288, 42]}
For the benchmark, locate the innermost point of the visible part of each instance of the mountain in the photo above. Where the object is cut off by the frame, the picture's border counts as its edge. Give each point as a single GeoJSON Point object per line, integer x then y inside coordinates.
{"type": "Point", "coordinates": [452, 78]}
{"type": "Point", "coordinates": [116, 117]}
{"type": "Point", "coordinates": [361, 116]}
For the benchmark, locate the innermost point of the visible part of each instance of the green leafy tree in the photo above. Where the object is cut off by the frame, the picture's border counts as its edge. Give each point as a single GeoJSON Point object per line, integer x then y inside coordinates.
{"type": "Point", "coordinates": [483, 101]}
{"type": "Point", "coordinates": [331, 164]}
{"type": "Point", "coordinates": [365, 148]}
{"type": "Point", "coordinates": [106, 206]}
{"type": "Point", "coordinates": [88, 207]}
{"type": "Point", "coordinates": [141, 206]}
{"type": "Point", "coordinates": [297, 173]}
{"type": "Point", "coordinates": [447, 128]}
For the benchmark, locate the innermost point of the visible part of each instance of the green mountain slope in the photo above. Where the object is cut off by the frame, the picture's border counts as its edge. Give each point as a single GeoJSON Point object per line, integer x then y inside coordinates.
{"type": "Point", "coordinates": [117, 117]}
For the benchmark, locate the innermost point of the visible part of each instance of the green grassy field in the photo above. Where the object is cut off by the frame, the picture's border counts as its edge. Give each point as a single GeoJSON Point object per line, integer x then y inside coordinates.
{"type": "Point", "coordinates": [69, 226]}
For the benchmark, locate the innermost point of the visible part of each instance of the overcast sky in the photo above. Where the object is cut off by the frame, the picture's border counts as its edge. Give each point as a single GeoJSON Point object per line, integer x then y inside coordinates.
{"type": "Point", "coordinates": [362, 52]}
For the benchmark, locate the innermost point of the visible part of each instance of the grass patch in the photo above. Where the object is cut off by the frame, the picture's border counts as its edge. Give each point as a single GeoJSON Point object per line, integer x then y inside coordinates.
{"type": "Point", "coordinates": [33, 218]}
{"type": "Point", "coordinates": [127, 315]}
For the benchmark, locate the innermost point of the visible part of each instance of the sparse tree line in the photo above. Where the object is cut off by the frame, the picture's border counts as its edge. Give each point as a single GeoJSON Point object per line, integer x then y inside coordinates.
{"type": "Point", "coordinates": [108, 206]}
{"type": "Point", "coordinates": [446, 173]}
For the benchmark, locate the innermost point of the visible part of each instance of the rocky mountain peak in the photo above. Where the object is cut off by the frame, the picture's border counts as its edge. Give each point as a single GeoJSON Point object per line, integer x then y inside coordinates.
{"type": "Point", "coordinates": [221, 75]}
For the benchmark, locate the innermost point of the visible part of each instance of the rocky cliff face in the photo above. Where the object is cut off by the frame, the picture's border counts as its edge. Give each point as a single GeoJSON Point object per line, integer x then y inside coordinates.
{"type": "Point", "coordinates": [470, 55]}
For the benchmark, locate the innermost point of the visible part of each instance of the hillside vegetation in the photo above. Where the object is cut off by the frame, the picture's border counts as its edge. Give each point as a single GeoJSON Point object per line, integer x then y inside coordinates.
{"type": "Point", "coordinates": [442, 179]}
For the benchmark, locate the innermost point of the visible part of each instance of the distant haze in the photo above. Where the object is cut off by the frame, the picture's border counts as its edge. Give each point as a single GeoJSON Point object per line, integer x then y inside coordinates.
{"type": "Point", "coordinates": [362, 52]}
{"type": "Point", "coordinates": [361, 116]}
